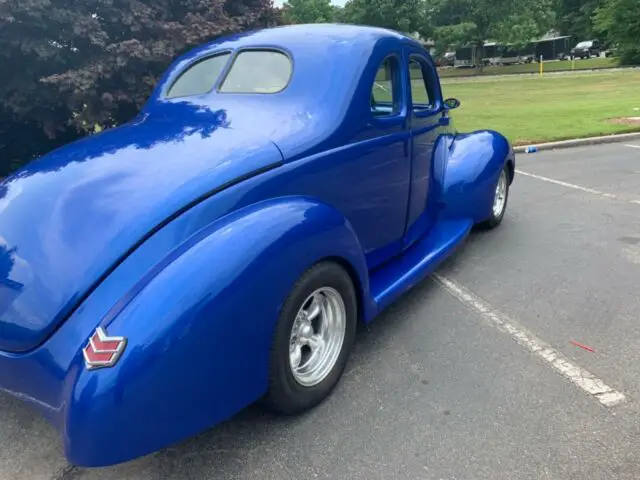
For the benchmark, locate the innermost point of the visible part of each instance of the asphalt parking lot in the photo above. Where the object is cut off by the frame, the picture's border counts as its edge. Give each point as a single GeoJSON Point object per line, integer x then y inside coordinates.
{"type": "Point", "coordinates": [472, 375]}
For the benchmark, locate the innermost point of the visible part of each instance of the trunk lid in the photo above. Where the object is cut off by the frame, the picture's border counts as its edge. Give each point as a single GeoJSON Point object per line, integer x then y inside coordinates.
{"type": "Point", "coordinates": [66, 218]}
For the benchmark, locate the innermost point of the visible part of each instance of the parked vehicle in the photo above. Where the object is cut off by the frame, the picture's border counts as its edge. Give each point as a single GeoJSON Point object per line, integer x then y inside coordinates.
{"type": "Point", "coordinates": [586, 49]}
{"type": "Point", "coordinates": [551, 48]}
{"type": "Point", "coordinates": [465, 57]}
{"type": "Point", "coordinates": [494, 53]}
{"type": "Point", "coordinates": [501, 54]}
{"type": "Point", "coordinates": [447, 60]}
{"type": "Point", "coordinates": [220, 248]}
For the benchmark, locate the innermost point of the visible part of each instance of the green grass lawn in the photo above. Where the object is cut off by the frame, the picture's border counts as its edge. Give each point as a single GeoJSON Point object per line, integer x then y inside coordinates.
{"type": "Point", "coordinates": [554, 107]}
{"type": "Point", "coordinates": [592, 63]}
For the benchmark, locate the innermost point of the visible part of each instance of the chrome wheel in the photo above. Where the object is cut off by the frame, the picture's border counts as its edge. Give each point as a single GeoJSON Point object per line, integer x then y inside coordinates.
{"type": "Point", "coordinates": [500, 197]}
{"type": "Point", "coordinates": [317, 336]}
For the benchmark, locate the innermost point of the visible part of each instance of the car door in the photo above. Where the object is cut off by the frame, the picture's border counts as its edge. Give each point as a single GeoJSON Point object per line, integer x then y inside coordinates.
{"type": "Point", "coordinates": [378, 191]}
{"type": "Point", "coordinates": [427, 123]}
{"type": "Point", "coordinates": [366, 172]}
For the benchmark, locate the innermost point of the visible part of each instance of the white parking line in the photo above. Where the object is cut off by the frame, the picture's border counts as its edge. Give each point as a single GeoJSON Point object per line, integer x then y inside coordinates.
{"type": "Point", "coordinates": [593, 191]}
{"type": "Point", "coordinates": [585, 380]}
{"type": "Point", "coordinates": [568, 185]}
{"type": "Point", "coordinates": [632, 146]}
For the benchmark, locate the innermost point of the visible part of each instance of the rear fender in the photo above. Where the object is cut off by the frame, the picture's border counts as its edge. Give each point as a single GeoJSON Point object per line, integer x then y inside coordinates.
{"type": "Point", "coordinates": [199, 329]}
{"type": "Point", "coordinates": [472, 164]}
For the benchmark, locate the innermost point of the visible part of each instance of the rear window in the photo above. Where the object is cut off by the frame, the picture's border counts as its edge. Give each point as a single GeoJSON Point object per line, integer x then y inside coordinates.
{"type": "Point", "coordinates": [199, 78]}
{"type": "Point", "coordinates": [258, 71]}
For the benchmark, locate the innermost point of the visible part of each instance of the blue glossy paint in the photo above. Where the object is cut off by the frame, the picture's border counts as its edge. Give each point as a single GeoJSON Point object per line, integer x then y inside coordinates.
{"type": "Point", "coordinates": [185, 229]}
{"type": "Point", "coordinates": [473, 164]}
{"type": "Point", "coordinates": [224, 335]}
{"type": "Point", "coordinates": [428, 123]}
{"type": "Point", "coordinates": [89, 202]}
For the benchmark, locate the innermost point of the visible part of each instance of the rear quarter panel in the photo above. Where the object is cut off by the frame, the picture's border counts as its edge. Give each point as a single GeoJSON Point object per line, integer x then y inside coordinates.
{"type": "Point", "coordinates": [199, 326]}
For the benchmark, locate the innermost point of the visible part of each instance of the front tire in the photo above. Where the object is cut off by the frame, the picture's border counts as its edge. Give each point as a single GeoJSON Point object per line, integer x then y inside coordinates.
{"type": "Point", "coordinates": [313, 339]}
{"type": "Point", "coordinates": [500, 198]}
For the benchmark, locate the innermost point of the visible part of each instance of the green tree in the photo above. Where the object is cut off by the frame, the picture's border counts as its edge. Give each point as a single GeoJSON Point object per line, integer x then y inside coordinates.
{"type": "Point", "coordinates": [459, 22]}
{"type": "Point", "coordinates": [575, 18]}
{"type": "Point", "coordinates": [309, 11]}
{"type": "Point", "coordinates": [406, 16]}
{"type": "Point", "coordinates": [619, 21]}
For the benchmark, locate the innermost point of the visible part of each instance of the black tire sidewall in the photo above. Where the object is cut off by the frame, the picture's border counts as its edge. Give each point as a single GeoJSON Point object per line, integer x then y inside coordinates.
{"type": "Point", "coordinates": [495, 220]}
{"type": "Point", "coordinates": [498, 218]}
{"type": "Point", "coordinates": [285, 393]}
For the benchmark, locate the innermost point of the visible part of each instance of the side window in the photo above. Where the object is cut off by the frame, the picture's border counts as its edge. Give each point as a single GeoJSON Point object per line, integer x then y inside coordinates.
{"type": "Point", "coordinates": [422, 94]}
{"type": "Point", "coordinates": [386, 93]}
{"type": "Point", "coordinates": [258, 71]}
{"type": "Point", "coordinates": [199, 78]}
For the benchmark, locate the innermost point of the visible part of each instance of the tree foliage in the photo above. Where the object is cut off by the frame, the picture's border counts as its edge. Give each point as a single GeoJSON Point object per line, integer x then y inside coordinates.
{"type": "Point", "coordinates": [575, 18]}
{"type": "Point", "coordinates": [406, 16]}
{"type": "Point", "coordinates": [459, 22]}
{"type": "Point", "coordinates": [310, 11]}
{"type": "Point", "coordinates": [78, 64]}
{"type": "Point", "coordinates": [619, 21]}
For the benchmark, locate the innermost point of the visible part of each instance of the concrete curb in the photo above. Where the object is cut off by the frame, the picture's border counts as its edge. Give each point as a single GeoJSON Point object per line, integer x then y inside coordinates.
{"type": "Point", "coordinates": [578, 142]}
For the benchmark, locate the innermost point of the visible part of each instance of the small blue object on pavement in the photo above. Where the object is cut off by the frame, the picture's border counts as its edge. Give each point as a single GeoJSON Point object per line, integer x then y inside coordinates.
{"type": "Point", "coordinates": [531, 149]}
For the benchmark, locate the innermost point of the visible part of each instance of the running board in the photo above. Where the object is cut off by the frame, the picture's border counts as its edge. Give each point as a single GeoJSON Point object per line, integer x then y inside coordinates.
{"type": "Point", "coordinates": [400, 274]}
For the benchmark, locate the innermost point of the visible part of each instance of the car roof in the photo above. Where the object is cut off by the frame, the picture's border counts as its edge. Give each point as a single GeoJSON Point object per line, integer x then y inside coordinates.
{"type": "Point", "coordinates": [315, 48]}
{"type": "Point", "coordinates": [307, 36]}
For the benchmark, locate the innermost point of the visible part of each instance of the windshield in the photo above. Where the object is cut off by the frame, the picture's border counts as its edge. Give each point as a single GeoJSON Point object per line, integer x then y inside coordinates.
{"type": "Point", "coordinates": [583, 45]}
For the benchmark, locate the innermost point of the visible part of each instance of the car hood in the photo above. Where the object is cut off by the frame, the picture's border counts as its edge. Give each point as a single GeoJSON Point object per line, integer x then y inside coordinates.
{"type": "Point", "coordinates": [68, 217]}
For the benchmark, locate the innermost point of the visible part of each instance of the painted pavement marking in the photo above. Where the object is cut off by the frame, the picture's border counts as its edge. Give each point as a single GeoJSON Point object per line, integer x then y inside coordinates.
{"type": "Point", "coordinates": [592, 191]}
{"type": "Point", "coordinates": [583, 379]}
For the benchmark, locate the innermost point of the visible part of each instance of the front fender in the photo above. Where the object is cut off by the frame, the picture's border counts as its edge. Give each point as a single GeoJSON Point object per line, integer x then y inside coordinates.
{"type": "Point", "coordinates": [199, 329]}
{"type": "Point", "coordinates": [473, 163]}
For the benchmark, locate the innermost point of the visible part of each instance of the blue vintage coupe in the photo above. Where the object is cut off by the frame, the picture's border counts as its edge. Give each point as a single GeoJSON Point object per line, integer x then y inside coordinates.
{"type": "Point", "coordinates": [278, 188]}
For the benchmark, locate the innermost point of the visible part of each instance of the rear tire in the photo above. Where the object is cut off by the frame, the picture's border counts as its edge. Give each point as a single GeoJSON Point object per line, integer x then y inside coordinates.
{"type": "Point", "coordinates": [313, 339]}
{"type": "Point", "coordinates": [501, 196]}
